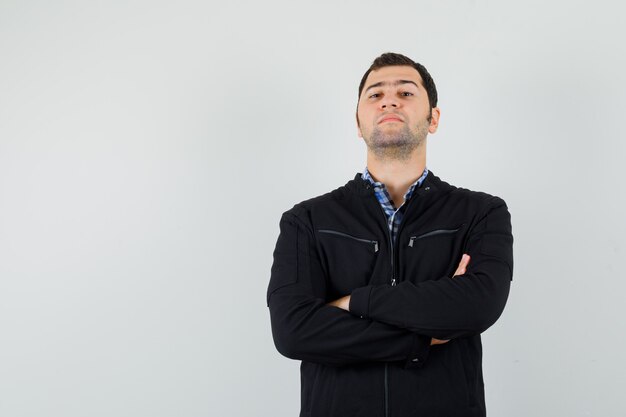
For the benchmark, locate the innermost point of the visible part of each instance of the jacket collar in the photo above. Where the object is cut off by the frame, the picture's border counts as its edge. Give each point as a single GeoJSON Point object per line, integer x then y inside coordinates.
{"type": "Point", "coordinates": [431, 184]}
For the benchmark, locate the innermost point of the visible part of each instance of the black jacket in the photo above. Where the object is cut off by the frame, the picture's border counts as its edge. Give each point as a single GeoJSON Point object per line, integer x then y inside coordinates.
{"type": "Point", "coordinates": [376, 360]}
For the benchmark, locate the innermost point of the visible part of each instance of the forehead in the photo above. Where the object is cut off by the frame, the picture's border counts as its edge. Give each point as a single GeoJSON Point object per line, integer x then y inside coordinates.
{"type": "Point", "coordinates": [393, 73]}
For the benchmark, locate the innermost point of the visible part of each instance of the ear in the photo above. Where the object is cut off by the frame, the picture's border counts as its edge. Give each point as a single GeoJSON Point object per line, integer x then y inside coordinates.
{"type": "Point", "coordinates": [358, 127]}
{"type": "Point", "coordinates": [434, 121]}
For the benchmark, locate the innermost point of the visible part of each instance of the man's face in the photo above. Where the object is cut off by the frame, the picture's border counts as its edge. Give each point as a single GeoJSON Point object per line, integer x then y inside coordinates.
{"type": "Point", "coordinates": [393, 112]}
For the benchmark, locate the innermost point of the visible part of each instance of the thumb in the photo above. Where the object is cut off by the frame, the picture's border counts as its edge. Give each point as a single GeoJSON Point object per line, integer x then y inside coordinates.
{"type": "Point", "coordinates": [460, 270]}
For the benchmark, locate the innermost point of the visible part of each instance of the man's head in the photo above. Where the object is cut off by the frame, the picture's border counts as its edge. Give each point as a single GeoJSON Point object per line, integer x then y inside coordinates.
{"type": "Point", "coordinates": [397, 106]}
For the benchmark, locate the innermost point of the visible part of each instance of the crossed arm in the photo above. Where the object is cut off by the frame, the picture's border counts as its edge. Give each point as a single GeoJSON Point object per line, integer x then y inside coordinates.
{"type": "Point", "coordinates": [344, 302]}
{"type": "Point", "coordinates": [386, 323]}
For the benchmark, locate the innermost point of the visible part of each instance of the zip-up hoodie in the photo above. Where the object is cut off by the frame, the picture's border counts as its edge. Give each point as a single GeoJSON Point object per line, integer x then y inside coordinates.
{"type": "Point", "coordinates": [376, 360]}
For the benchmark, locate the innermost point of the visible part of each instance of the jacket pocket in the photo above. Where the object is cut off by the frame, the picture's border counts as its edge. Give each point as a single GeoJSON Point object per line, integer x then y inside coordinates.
{"type": "Point", "coordinates": [435, 232]}
{"type": "Point", "coordinates": [350, 258]}
{"type": "Point", "coordinates": [359, 239]}
{"type": "Point", "coordinates": [432, 254]}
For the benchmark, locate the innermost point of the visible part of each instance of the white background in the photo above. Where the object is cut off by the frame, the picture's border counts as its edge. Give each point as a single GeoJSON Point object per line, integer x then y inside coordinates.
{"type": "Point", "coordinates": [148, 149]}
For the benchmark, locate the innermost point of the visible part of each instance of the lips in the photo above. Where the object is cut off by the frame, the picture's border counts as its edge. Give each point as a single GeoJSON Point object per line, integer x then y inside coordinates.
{"type": "Point", "coordinates": [390, 118]}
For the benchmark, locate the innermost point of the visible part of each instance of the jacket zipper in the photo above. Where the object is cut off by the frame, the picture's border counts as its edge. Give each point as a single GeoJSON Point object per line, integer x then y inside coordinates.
{"type": "Point", "coordinates": [434, 232]}
{"type": "Point", "coordinates": [393, 278]}
{"type": "Point", "coordinates": [374, 242]}
{"type": "Point", "coordinates": [393, 283]}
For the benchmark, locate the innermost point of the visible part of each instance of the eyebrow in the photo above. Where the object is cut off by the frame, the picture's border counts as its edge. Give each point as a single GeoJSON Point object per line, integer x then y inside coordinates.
{"type": "Point", "coordinates": [385, 83]}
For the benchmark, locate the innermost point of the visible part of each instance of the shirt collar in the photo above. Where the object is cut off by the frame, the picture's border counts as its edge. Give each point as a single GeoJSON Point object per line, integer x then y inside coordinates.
{"type": "Point", "coordinates": [379, 186]}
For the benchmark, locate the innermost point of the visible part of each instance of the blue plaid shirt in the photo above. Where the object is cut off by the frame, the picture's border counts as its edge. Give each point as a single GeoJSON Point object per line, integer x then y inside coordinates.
{"type": "Point", "coordinates": [394, 215]}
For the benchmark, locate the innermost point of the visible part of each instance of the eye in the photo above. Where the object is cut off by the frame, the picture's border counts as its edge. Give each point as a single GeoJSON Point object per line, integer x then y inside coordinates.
{"type": "Point", "coordinates": [375, 95]}
{"type": "Point", "coordinates": [406, 93]}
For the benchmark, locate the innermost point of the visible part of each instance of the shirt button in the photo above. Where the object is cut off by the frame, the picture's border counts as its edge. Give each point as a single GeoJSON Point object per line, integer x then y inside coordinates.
{"type": "Point", "coordinates": [415, 359]}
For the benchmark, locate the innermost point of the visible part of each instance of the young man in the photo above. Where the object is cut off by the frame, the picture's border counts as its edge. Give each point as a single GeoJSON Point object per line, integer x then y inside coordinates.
{"type": "Point", "coordinates": [383, 286]}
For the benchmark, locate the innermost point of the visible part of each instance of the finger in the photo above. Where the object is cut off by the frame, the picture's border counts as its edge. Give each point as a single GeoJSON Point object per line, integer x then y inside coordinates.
{"type": "Point", "coordinates": [461, 269]}
{"type": "Point", "coordinates": [464, 262]}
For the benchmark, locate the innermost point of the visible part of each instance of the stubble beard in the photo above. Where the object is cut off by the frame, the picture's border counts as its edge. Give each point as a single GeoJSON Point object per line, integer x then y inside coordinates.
{"type": "Point", "coordinates": [398, 144]}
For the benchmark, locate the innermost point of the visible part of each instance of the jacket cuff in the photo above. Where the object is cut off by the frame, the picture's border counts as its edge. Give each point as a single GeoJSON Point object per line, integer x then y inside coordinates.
{"type": "Point", "coordinates": [360, 302]}
{"type": "Point", "coordinates": [419, 352]}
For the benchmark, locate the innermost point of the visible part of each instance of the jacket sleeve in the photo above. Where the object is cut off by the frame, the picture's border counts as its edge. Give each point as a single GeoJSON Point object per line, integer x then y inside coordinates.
{"type": "Point", "coordinates": [304, 327]}
{"type": "Point", "coordinates": [446, 307]}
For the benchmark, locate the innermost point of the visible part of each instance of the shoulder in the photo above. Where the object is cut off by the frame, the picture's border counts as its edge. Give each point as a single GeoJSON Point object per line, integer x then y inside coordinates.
{"type": "Point", "coordinates": [480, 200]}
{"type": "Point", "coordinates": [301, 212]}
{"type": "Point", "coordinates": [478, 196]}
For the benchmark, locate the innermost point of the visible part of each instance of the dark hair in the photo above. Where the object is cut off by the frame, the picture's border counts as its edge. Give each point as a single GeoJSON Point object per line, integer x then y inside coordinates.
{"type": "Point", "coordinates": [389, 59]}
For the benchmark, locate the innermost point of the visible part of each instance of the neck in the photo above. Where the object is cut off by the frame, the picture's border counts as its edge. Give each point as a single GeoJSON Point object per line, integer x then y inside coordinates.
{"type": "Point", "coordinates": [398, 175]}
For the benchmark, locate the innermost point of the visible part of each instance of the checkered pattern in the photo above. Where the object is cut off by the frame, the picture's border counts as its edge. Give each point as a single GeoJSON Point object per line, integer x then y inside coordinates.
{"type": "Point", "coordinates": [394, 216]}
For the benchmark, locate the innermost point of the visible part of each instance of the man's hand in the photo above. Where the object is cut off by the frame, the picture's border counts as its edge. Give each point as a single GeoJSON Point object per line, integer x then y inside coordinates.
{"type": "Point", "coordinates": [460, 270]}
{"type": "Point", "coordinates": [344, 302]}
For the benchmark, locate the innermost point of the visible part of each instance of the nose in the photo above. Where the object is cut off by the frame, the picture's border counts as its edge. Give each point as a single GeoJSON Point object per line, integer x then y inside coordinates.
{"type": "Point", "coordinates": [388, 101]}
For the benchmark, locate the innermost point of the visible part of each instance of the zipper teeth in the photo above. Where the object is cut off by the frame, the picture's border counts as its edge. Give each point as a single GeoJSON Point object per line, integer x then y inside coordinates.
{"type": "Point", "coordinates": [435, 232]}
{"type": "Point", "coordinates": [334, 232]}
{"type": "Point", "coordinates": [386, 393]}
{"type": "Point", "coordinates": [390, 240]}
{"type": "Point", "coordinates": [393, 282]}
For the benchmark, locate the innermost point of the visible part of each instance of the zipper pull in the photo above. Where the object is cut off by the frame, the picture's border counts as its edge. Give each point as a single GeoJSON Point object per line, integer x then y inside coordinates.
{"type": "Point", "coordinates": [411, 241]}
{"type": "Point", "coordinates": [393, 282]}
{"type": "Point", "coordinates": [375, 245]}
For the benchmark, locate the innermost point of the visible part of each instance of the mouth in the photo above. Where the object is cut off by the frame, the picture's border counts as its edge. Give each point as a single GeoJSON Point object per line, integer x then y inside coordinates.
{"type": "Point", "coordinates": [390, 119]}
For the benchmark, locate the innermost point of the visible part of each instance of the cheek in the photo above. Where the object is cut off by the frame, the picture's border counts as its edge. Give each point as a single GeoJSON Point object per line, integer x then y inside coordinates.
{"type": "Point", "coordinates": [366, 117]}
